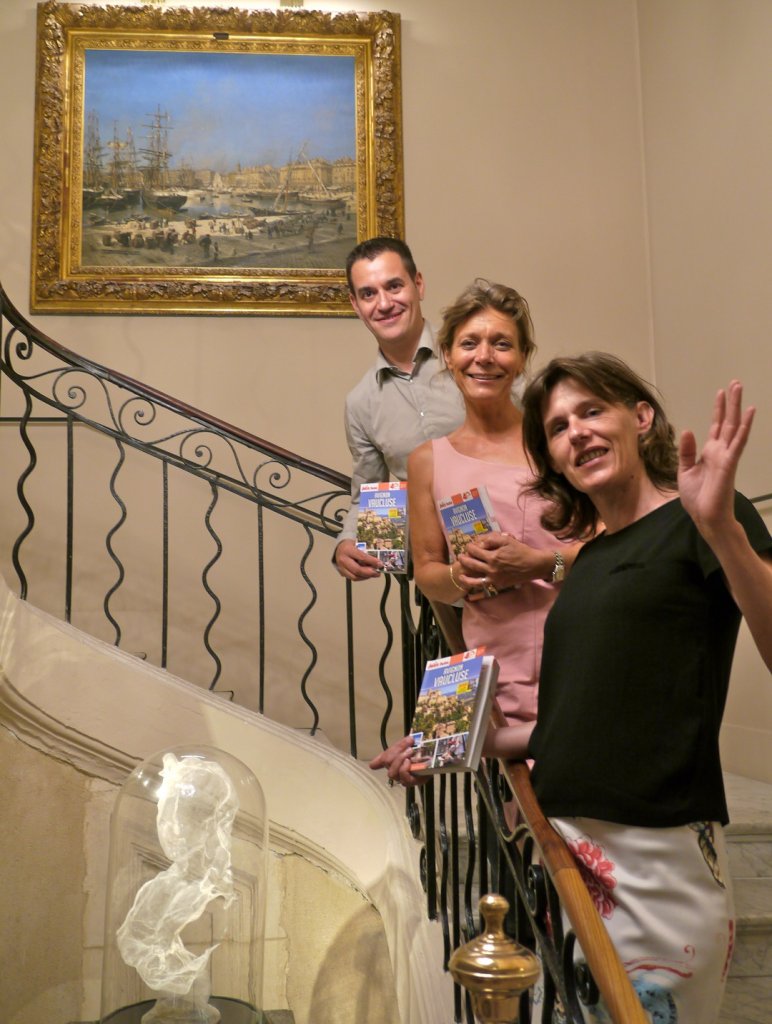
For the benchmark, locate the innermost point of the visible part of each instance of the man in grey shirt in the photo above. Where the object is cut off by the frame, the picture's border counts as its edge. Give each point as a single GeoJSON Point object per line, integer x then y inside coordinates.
{"type": "Point", "coordinates": [403, 400]}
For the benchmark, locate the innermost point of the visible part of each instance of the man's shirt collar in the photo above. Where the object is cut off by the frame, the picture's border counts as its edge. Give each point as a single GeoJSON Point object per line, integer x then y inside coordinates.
{"type": "Point", "coordinates": [424, 351]}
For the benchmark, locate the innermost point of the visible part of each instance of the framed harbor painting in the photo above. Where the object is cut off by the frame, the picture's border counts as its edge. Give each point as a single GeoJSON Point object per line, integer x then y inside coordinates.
{"type": "Point", "coordinates": [201, 160]}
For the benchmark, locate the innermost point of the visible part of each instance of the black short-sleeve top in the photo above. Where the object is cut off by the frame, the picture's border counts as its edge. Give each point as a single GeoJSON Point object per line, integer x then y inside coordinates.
{"type": "Point", "coordinates": [637, 656]}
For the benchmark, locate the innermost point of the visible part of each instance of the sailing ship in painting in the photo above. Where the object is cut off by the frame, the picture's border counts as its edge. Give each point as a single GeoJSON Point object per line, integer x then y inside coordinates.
{"type": "Point", "coordinates": [319, 194]}
{"type": "Point", "coordinates": [93, 154]}
{"type": "Point", "coordinates": [290, 187]}
{"type": "Point", "coordinates": [121, 181]}
{"type": "Point", "coordinates": [117, 175]}
{"type": "Point", "coordinates": [157, 183]}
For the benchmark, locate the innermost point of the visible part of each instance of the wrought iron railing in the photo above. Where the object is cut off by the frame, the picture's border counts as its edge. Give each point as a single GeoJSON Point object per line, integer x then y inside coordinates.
{"type": "Point", "coordinates": [164, 524]}
{"type": "Point", "coordinates": [185, 540]}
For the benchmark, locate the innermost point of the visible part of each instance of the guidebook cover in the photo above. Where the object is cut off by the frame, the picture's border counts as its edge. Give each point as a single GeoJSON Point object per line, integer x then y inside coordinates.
{"type": "Point", "coordinates": [382, 523]}
{"type": "Point", "coordinates": [452, 712]}
{"type": "Point", "coordinates": [466, 517]}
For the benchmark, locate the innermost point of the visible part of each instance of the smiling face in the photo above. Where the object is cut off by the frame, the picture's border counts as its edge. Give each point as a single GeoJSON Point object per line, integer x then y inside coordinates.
{"type": "Point", "coordinates": [592, 442]}
{"type": "Point", "coordinates": [485, 356]}
{"type": "Point", "coordinates": [388, 300]}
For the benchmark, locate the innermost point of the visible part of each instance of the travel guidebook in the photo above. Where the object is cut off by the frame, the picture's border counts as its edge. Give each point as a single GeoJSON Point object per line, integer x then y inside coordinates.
{"type": "Point", "coordinates": [382, 523]}
{"type": "Point", "coordinates": [466, 517]}
{"type": "Point", "coordinates": [452, 712]}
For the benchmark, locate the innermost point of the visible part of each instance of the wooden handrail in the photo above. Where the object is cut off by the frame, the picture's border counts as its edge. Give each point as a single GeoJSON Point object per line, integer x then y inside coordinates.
{"type": "Point", "coordinates": [599, 951]}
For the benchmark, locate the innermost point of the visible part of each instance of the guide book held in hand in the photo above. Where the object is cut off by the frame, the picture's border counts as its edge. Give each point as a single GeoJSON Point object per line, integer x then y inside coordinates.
{"type": "Point", "coordinates": [382, 523]}
{"type": "Point", "coordinates": [466, 517]}
{"type": "Point", "coordinates": [452, 712]}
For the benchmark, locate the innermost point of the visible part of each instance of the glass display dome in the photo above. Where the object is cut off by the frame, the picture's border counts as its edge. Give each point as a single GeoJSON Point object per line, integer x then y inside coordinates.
{"type": "Point", "coordinates": [185, 916]}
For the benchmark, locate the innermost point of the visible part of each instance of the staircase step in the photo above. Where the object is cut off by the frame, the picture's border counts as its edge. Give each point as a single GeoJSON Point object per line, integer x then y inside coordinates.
{"type": "Point", "coordinates": [749, 833]}
{"type": "Point", "coordinates": [750, 856]}
{"type": "Point", "coordinates": [748, 998]}
{"type": "Point", "coordinates": [750, 805]}
{"type": "Point", "coordinates": [747, 1001]}
{"type": "Point", "coordinates": [753, 941]}
{"type": "Point", "coordinates": [269, 1017]}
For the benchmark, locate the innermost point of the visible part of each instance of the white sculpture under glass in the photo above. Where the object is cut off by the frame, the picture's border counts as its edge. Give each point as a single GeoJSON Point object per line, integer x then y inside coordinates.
{"type": "Point", "coordinates": [186, 890]}
{"type": "Point", "coordinates": [197, 804]}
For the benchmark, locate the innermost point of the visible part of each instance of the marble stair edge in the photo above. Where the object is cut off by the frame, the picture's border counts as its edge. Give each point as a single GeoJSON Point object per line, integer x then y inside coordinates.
{"type": "Point", "coordinates": [748, 998]}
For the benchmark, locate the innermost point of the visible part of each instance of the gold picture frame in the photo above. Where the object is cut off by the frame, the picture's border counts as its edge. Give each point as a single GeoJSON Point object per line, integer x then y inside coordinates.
{"type": "Point", "coordinates": [283, 130]}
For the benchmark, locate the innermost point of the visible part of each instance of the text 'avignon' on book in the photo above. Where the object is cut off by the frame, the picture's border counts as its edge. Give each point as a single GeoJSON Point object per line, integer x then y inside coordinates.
{"type": "Point", "coordinates": [452, 712]}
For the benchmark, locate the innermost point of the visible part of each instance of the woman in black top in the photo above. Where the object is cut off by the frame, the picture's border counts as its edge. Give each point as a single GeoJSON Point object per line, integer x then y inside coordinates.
{"type": "Point", "coordinates": [637, 657]}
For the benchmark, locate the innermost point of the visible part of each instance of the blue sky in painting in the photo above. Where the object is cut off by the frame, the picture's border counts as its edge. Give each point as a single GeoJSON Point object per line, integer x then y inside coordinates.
{"type": "Point", "coordinates": [226, 109]}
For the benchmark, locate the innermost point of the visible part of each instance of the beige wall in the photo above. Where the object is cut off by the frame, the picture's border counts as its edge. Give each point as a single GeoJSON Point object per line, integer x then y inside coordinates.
{"type": "Point", "coordinates": [41, 850]}
{"type": "Point", "coordinates": [707, 88]}
{"type": "Point", "coordinates": [609, 158]}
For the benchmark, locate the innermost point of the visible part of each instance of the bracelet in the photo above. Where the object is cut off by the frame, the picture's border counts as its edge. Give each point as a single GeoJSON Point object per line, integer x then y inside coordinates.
{"type": "Point", "coordinates": [559, 569]}
{"type": "Point", "coordinates": [453, 579]}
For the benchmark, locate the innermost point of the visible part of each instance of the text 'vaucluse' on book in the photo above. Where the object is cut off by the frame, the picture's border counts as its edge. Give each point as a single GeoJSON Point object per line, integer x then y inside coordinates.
{"type": "Point", "coordinates": [452, 712]}
{"type": "Point", "coordinates": [382, 523]}
{"type": "Point", "coordinates": [466, 517]}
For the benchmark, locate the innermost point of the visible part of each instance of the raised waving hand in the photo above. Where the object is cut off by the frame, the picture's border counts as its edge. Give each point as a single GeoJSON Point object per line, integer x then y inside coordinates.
{"type": "Point", "coordinates": [706, 480]}
{"type": "Point", "coordinates": [706, 487]}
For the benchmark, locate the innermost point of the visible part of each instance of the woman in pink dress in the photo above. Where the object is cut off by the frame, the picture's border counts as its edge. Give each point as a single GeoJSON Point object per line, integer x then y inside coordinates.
{"type": "Point", "coordinates": [507, 580]}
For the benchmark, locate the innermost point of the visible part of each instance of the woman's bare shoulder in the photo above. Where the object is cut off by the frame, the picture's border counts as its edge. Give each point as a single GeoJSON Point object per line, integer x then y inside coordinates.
{"type": "Point", "coordinates": [421, 459]}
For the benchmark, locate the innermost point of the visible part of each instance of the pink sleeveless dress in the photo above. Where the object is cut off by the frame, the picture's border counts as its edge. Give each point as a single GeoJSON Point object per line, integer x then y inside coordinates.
{"type": "Point", "coordinates": [511, 625]}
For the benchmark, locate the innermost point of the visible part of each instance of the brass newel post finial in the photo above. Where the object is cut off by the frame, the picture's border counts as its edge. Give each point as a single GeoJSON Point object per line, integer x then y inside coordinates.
{"type": "Point", "coordinates": [494, 969]}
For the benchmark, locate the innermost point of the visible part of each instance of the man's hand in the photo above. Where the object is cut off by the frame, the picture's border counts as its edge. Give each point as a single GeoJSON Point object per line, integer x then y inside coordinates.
{"type": "Point", "coordinates": [354, 564]}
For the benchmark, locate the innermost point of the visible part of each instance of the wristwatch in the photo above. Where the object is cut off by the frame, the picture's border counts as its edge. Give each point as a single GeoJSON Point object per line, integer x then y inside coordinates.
{"type": "Point", "coordinates": [558, 569]}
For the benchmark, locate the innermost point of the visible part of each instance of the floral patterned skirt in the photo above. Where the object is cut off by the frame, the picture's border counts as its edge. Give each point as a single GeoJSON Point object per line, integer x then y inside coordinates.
{"type": "Point", "coordinates": [665, 896]}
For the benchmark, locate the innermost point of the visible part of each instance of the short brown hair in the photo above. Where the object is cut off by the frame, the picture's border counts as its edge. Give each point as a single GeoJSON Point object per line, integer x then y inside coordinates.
{"type": "Point", "coordinates": [480, 295]}
{"type": "Point", "coordinates": [572, 514]}
{"type": "Point", "coordinates": [372, 247]}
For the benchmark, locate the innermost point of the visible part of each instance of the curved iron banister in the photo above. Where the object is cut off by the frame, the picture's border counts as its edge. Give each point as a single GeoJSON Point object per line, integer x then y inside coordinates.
{"type": "Point", "coordinates": [304, 637]}
{"type": "Point", "coordinates": [11, 313]}
{"type": "Point", "coordinates": [109, 541]}
{"type": "Point", "coordinates": [212, 594]}
{"type": "Point", "coordinates": [307, 496]}
{"type": "Point", "coordinates": [26, 473]}
{"type": "Point", "coordinates": [190, 446]}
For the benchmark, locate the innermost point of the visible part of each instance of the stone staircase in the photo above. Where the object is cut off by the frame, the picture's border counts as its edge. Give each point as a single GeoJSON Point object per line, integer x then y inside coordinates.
{"type": "Point", "coordinates": [268, 1017]}
{"type": "Point", "coordinates": [748, 998]}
